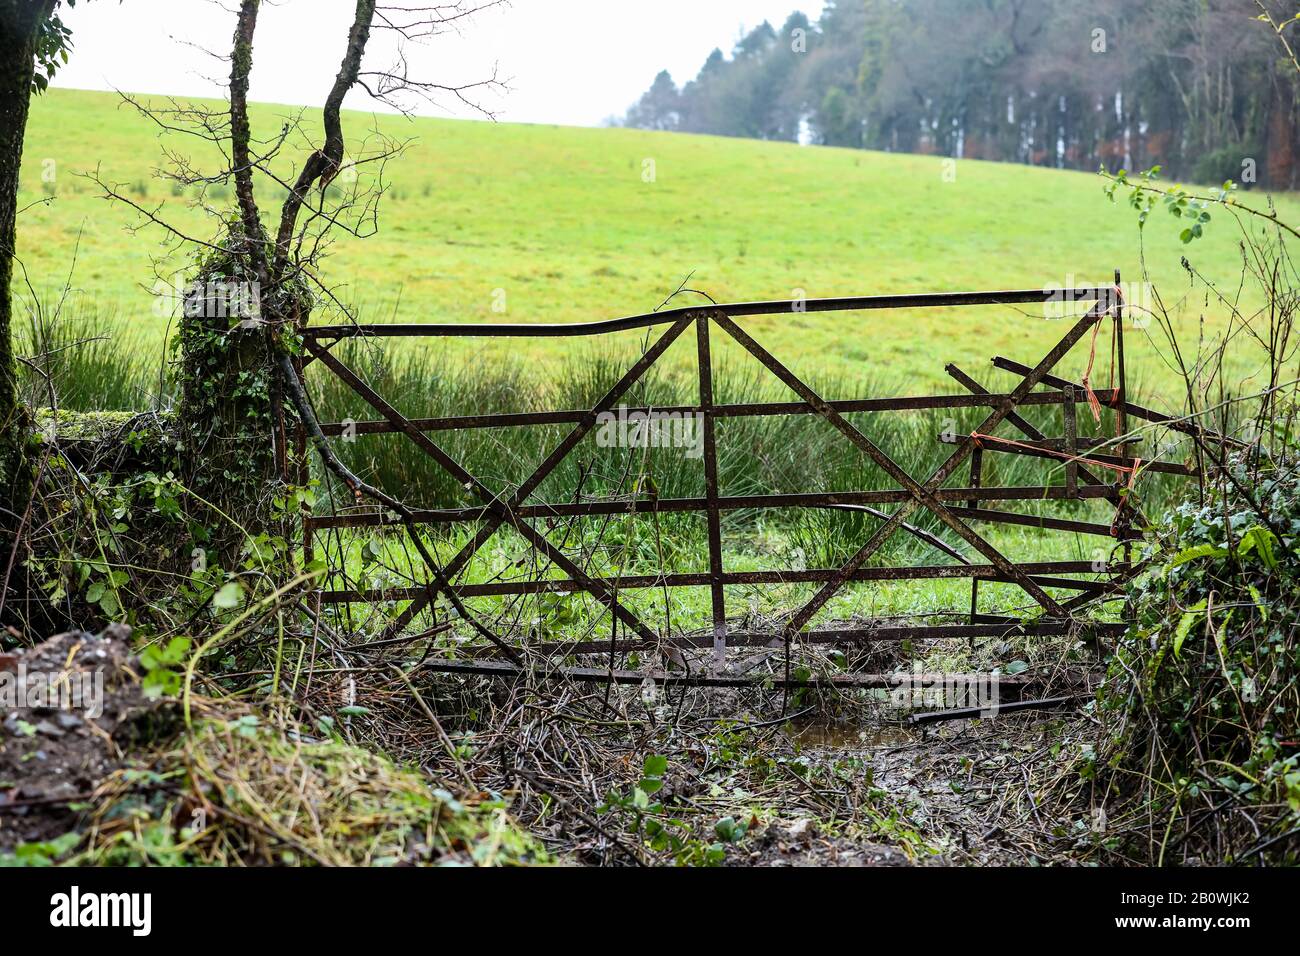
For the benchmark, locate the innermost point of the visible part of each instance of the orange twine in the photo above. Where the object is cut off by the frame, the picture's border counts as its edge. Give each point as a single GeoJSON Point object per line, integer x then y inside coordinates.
{"type": "Point", "coordinates": [1094, 403]}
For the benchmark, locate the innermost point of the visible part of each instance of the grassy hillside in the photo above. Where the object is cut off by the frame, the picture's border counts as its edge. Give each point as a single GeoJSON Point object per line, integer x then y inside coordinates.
{"type": "Point", "coordinates": [562, 221]}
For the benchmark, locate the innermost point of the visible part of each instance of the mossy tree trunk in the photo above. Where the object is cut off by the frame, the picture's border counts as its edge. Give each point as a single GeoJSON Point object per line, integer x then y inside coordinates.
{"type": "Point", "coordinates": [20, 21]}
{"type": "Point", "coordinates": [227, 411]}
{"type": "Point", "coordinates": [230, 417]}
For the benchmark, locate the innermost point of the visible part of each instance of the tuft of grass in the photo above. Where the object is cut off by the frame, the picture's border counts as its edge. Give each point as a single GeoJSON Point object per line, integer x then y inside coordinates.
{"type": "Point", "coordinates": [80, 357]}
{"type": "Point", "coordinates": [237, 791]}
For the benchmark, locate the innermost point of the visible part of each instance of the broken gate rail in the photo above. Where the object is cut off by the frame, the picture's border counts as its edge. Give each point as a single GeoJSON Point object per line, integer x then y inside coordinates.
{"type": "Point", "coordinates": [957, 508]}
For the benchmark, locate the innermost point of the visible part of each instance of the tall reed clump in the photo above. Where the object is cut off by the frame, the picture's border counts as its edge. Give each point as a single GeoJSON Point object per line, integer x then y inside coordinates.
{"type": "Point", "coordinates": [77, 356]}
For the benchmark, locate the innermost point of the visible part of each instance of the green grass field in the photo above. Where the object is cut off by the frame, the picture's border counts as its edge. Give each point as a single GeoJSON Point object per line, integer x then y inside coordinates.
{"type": "Point", "coordinates": [561, 220]}
{"type": "Point", "coordinates": [563, 223]}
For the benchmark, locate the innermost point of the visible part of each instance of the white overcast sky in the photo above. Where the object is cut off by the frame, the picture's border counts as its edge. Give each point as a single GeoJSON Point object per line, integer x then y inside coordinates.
{"type": "Point", "coordinates": [573, 62]}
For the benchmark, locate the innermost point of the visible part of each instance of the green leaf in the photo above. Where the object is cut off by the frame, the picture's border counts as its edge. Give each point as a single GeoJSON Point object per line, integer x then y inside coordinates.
{"type": "Point", "coordinates": [1185, 624]}
{"type": "Point", "coordinates": [175, 651]}
{"type": "Point", "coordinates": [1259, 603]}
{"type": "Point", "coordinates": [1196, 552]}
{"type": "Point", "coordinates": [1260, 540]}
{"type": "Point", "coordinates": [230, 595]}
{"type": "Point", "coordinates": [109, 604]}
{"type": "Point", "coordinates": [42, 854]}
{"type": "Point", "coordinates": [655, 766]}
{"type": "Point", "coordinates": [161, 682]}
{"type": "Point", "coordinates": [729, 830]}
{"type": "Point", "coordinates": [246, 726]}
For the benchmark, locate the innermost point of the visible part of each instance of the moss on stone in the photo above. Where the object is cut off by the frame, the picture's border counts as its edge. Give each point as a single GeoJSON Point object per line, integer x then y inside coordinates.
{"type": "Point", "coordinates": [144, 440]}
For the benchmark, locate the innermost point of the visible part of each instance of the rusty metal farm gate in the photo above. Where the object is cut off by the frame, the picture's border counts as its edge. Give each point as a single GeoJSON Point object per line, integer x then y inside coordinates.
{"type": "Point", "coordinates": [1061, 591]}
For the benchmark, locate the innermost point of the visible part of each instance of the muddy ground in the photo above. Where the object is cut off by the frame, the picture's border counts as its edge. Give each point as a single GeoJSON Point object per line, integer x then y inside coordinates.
{"type": "Point", "coordinates": [830, 787]}
{"type": "Point", "coordinates": [54, 755]}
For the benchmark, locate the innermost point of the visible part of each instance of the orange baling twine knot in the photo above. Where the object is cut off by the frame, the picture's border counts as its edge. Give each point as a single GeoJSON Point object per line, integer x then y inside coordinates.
{"type": "Point", "coordinates": [1093, 402]}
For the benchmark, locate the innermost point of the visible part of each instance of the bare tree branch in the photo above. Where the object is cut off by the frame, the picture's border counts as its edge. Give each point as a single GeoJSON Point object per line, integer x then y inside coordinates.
{"type": "Point", "coordinates": [240, 67]}
{"type": "Point", "coordinates": [324, 164]}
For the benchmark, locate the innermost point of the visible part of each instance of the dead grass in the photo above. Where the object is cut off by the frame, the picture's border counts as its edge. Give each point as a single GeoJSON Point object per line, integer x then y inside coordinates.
{"type": "Point", "coordinates": [239, 790]}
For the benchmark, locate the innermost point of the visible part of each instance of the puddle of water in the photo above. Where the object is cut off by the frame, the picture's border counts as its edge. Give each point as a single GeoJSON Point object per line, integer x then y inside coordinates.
{"type": "Point", "coordinates": [850, 736]}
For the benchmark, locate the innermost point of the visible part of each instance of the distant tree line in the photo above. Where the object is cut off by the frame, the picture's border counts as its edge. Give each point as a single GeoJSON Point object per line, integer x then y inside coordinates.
{"type": "Point", "coordinates": [1200, 87]}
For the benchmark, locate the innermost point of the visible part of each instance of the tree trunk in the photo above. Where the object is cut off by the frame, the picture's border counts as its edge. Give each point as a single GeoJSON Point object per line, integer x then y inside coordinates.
{"type": "Point", "coordinates": [1280, 156]}
{"type": "Point", "coordinates": [19, 22]}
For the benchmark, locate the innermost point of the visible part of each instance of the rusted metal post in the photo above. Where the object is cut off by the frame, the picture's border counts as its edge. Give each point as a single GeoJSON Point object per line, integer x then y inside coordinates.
{"type": "Point", "coordinates": [976, 475]}
{"type": "Point", "coordinates": [1121, 390]}
{"type": "Point", "coordinates": [711, 494]}
{"type": "Point", "coordinates": [1125, 525]}
{"type": "Point", "coordinates": [304, 478]}
{"type": "Point", "coordinates": [1121, 414]}
{"type": "Point", "coordinates": [1071, 443]}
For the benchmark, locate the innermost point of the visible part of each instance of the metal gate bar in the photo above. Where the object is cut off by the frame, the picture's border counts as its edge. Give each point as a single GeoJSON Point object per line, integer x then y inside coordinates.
{"type": "Point", "coordinates": [1007, 686]}
{"type": "Point", "coordinates": [744, 410]}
